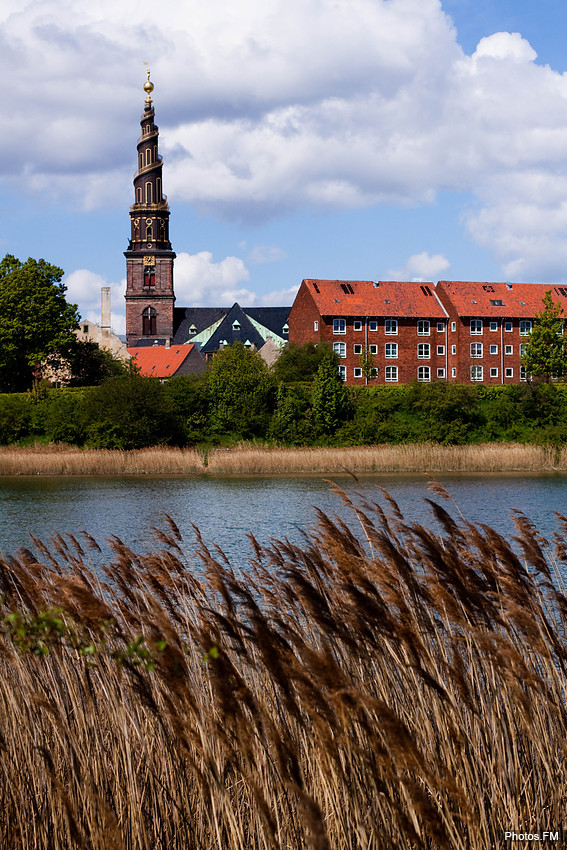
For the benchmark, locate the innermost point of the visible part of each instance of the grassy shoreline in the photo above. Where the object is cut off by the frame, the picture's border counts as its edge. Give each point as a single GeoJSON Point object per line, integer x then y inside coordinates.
{"type": "Point", "coordinates": [249, 459]}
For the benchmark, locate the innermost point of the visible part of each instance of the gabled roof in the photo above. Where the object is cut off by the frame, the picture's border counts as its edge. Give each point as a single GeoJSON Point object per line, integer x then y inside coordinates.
{"type": "Point", "coordinates": [157, 361]}
{"type": "Point", "coordinates": [508, 300]}
{"type": "Point", "coordinates": [209, 327]}
{"type": "Point", "coordinates": [375, 298]}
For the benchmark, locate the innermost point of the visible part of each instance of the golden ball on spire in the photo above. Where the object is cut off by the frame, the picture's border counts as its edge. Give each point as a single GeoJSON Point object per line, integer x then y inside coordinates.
{"type": "Point", "coordinates": [148, 85]}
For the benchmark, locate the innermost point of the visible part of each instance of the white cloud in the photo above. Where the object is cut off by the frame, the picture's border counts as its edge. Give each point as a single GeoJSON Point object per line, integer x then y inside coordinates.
{"type": "Point", "coordinates": [505, 45]}
{"type": "Point", "coordinates": [261, 254]}
{"type": "Point", "coordinates": [421, 267]}
{"type": "Point", "coordinates": [259, 118]}
{"type": "Point", "coordinates": [199, 281]}
{"type": "Point", "coordinates": [280, 297]}
{"type": "Point", "coordinates": [84, 289]}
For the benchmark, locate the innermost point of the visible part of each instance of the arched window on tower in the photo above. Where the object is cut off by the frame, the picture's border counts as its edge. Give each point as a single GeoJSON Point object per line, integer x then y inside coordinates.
{"type": "Point", "coordinates": [141, 161]}
{"type": "Point", "coordinates": [149, 317]}
{"type": "Point", "coordinates": [158, 190]}
{"type": "Point", "coordinates": [138, 196]}
{"type": "Point", "coordinates": [149, 193]}
{"type": "Point", "coordinates": [148, 156]}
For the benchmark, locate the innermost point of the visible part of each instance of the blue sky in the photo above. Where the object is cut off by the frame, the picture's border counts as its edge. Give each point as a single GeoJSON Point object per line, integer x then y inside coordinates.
{"type": "Point", "coordinates": [361, 139]}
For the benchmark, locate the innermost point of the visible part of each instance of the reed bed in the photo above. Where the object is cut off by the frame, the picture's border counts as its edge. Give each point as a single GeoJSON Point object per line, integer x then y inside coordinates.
{"type": "Point", "coordinates": [70, 460]}
{"type": "Point", "coordinates": [379, 686]}
{"type": "Point", "coordinates": [247, 459]}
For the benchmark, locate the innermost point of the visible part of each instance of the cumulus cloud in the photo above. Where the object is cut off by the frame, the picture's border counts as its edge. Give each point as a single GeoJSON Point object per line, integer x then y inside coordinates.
{"type": "Point", "coordinates": [201, 282]}
{"type": "Point", "coordinates": [84, 289]}
{"type": "Point", "coordinates": [259, 119]}
{"type": "Point", "coordinates": [421, 267]}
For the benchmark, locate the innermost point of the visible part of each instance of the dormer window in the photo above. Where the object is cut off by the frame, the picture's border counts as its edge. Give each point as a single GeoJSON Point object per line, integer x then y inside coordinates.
{"type": "Point", "coordinates": [192, 329]}
{"type": "Point", "coordinates": [285, 328]}
{"type": "Point", "coordinates": [236, 326]}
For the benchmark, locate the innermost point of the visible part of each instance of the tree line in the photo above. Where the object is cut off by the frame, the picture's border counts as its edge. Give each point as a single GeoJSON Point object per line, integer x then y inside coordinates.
{"type": "Point", "coordinates": [300, 401]}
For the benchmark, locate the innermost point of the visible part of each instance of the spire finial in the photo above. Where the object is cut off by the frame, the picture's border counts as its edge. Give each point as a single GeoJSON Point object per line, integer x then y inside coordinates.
{"type": "Point", "coordinates": [148, 88]}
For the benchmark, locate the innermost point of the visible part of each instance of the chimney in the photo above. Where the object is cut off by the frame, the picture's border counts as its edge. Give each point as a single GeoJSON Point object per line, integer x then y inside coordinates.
{"type": "Point", "coordinates": [105, 308]}
{"type": "Point", "coordinates": [168, 343]}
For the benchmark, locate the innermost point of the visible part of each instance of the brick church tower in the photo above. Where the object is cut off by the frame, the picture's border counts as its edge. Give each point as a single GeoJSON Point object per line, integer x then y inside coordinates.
{"type": "Point", "coordinates": [149, 258]}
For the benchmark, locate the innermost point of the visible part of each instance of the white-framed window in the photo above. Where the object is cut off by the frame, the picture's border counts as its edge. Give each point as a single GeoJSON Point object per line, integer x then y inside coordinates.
{"type": "Point", "coordinates": [423, 327]}
{"type": "Point", "coordinates": [440, 373]}
{"type": "Point", "coordinates": [357, 349]}
{"type": "Point", "coordinates": [476, 327]}
{"type": "Point", "coordinates": [508, 349]}
{"type": "Point", "coordinates": [423, 350]}
{"type": "Point", "coordinates": [454, 372]}
{"type": "Point", "coordinates": [440, 350]}
{"type": "Point", "coordinates": [339, 326]}
{"type": "Point", "coordinates": [476, 349]}
{"type": "Point", "coordinates": [494, 349]}
{"type": "Point", "coordinates": [373, 349]}
{"type": "Point", "coordinates": [423, 374]}
{"type": "Point", "coordinates": [373, 325]}
{"type": "Point", "coordinates": [440, 327]}
{"type": "Point", "coordinates": [523, 376]}
{"type": "Point", "coordinates": [391, 349]}
{"type": "Point", "coordinates": [476, 373]}
{"type": "Point", "coordinates": [525, 327]}
{"type": "Point", "coordinates": [453, 327]}
{"type": "Point", "coordinates": [315, 325]}
{"type": "Point", "coordinates": [391, 327]}
{"type": "Point", "coordinates": [453, 349]}
{"type": "Point", "coordinates": [357, 325]}
{"type": "Point", "coordinates": [493, 371]}
{"type": "Point", "coordinates": [340, 348]}
{"type": "Point", "coordinates": [494, 326]}
{"type": "Point", "coordinates": [342, 373]}
{"type": "Point", "coordinates": [391, 374]}
{"type": "Point", "coordinates": [508, 372]}
{"type": "Point", "coordinates": [357, 372]}
{"type": "Point", "coordinates": [523, 348]}
{"type": "Point", "coordinates": [508, 327]}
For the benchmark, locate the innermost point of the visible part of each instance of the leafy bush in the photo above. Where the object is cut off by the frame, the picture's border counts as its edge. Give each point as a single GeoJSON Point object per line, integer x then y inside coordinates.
{"type": "Point", "coordinates": [129, 413]}
{"type": "Point", "coordinates": [15, 418]}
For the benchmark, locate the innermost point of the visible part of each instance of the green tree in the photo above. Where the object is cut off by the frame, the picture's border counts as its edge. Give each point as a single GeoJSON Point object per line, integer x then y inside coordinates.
{"type": "Point", "coordinates": [545, 354]}
{"type": "Point", "coordinates": [367, 364]}
{"type": "Point", "coordinates": [241, 392]}
{"type": "Point", "coordinates": [129, 413]}
{"type": "Point", "coordinates": [35, 319]}
{"type": "Point", "coordinates": [299, 362]}
{"type": "Point", "coordinates": [329, 397]}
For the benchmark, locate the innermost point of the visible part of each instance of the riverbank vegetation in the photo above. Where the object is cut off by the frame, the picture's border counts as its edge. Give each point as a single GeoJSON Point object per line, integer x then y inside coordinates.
{"type": "Point", "coordinates": [252, 459]}
{"type": "Point", "coordinates": [300, 402]}
{"type": "Point", "coordinates": [379, 685]}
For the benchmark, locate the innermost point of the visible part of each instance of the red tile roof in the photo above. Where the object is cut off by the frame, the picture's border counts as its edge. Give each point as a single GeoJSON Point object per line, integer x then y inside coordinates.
{"type": "Point", "coordinates": [508, 300]}
{"type": "Point", "coordinates": [157, 361]}
{"type": "Point", "coordinates": [375, 298]}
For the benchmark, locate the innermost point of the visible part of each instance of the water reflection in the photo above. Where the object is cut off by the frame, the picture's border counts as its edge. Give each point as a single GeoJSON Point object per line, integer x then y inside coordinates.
{"type": "Point", "coordinates": [226, 509]}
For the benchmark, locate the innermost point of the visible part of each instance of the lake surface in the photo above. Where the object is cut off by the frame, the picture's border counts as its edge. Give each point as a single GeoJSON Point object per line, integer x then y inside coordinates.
{"type": "Point", "coordinates": [226, 509]}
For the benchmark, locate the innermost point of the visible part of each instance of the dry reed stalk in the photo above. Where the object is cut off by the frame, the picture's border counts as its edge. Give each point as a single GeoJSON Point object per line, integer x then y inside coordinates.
{"type": "Point", "coordinates": [254, 460]}
{"type": "Point", "coordinates": [378, 686]}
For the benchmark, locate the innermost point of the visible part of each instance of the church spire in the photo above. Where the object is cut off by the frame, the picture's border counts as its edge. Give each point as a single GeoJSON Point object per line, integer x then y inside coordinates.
{"type": "Point", "coordinates": [149, 258]}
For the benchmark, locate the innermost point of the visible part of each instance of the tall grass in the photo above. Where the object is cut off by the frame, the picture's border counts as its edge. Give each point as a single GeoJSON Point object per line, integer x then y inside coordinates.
{"type": "Point", "coordinates": [249, 459]}
{"type": "Point", "coordinates": [378, 686]}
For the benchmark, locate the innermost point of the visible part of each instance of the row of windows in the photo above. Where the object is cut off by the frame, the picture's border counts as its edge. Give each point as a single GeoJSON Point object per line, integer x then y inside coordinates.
{"type": "Point", "coordinates": [390, 326]}
{"type": "Point", "coordinates": [477, 349]}
{"type": "Point", "coordinates": [424, 349]}
{"type": "Point", "coordinates": [424, 373]}
{"type": "Point", "coordinates": [391, 373]}
{"type": "Point", "coordinates": [477, 326]}
{"type": "Point", "coordinates": [424, 326]}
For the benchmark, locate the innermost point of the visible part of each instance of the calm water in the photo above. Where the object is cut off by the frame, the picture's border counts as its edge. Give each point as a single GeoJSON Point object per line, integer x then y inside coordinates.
{"type": "Point", "coordinates": [225, 509]}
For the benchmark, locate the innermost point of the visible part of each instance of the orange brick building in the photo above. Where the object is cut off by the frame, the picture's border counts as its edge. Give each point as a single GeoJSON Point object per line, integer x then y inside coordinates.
{"type": "Point", "coordinates": [469, 332]}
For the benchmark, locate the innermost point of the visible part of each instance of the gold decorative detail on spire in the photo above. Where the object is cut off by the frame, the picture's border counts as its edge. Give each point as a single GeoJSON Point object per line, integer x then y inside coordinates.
{"type": "Point", "coordinates": [148, 88]}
